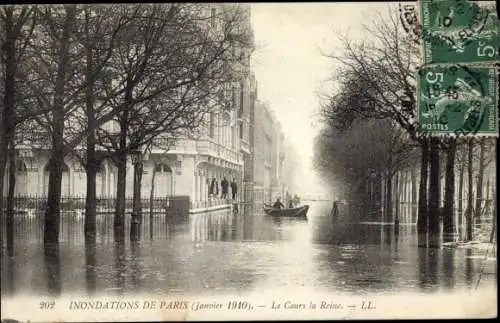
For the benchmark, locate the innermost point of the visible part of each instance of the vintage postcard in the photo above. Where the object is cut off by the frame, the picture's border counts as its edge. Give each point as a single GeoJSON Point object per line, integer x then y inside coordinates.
{"type": "Point", "coordinates": [241, 161]}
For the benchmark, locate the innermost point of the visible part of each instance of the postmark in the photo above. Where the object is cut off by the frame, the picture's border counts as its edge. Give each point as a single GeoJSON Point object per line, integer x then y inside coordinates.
{"type": "Point", "coordinates": [458, 31]}
{"type": "Point", "coordinates": [457, 99]}
{"type": "Point", "coordinates": [408, 16]}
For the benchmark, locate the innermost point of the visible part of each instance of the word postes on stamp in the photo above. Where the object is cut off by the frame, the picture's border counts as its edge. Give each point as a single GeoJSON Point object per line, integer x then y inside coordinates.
{"type": "Point", "coordinates": [457, 99]}
{"type": "Point", "coordinates": [458, 31]}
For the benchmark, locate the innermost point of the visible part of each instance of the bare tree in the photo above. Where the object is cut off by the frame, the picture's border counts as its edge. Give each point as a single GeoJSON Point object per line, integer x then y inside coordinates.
{"type": "Point", "coordinates": [391, 54]}
{"type": "Point", "coordinates": [173, 69]}
{"type": "Point", "coordinates": [393, 96]}
{"type": "Point", "coordinates": [17, 25]}
{"type": "Point", "coordinates": [60, 41]}
{"type": "Point", "coordinates": [99, 27]}
{"type": "Point", "coordinates": [364, 147]}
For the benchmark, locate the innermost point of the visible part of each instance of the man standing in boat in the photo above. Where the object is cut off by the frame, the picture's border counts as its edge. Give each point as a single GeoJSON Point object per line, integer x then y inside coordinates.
{"type": "Point", "coordinates": [278, 204]}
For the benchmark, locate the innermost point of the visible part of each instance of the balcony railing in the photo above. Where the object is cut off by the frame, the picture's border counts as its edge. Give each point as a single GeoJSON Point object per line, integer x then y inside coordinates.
{"type": "Point", "coordinates": [208, 147]}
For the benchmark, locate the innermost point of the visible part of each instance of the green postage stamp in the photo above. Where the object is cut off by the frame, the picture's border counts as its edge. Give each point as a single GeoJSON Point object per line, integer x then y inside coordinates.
{"type": "Point", "coordinates": [458, 100]}
{"type": "Point", "coordinates": [459, 31]}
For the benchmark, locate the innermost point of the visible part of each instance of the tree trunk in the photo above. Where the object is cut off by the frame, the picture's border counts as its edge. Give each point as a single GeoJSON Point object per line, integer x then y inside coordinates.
{"type": "Point", "coordinates": [405, 197]}
{"type": "Point", "coordinates": [495, 207]}
{"type": "Point", "coordinates": [382, 196]}
{"type": "Point", "coordinates": [91, 164]}
{"type": "Point", "coordinates": [91, 194]}
{"type": "Point", "coordinates": [3, 165]}
{"type": "Point", "coordinates": [468, 212]}
{"type": "Point", "coordinates": [10, 199]}
{"type": "Point", "coordinates": [449, 194]}
{"type": "Point", "coordinates": [121, 164]}
{"type": "Point", "coordinates": [397, 189]}
{"type": "Point", "coordinates": [91, 167]}
{"type": "Point", "coordinates": [413, 195]}
{"type": "Point", "coordinates": [460, 197]}
{"type": "Point", "coordinates": [119, 221]}
{"type": "Point", "coordinates": [389, 205]}
{"type": "Point", "coordinates": [434, 191]}
{"type": "Point", "coordinates": [494, 218]}
{"type": "Point", "coordinates": [151, 201]}
{"type": "Point", "coordinates": [479, 186]}
{"type": "Point", "coordinates": [136, 202]}
{"type": "Point", "coordinates": [56, 161]}
{"type": "Point", "coordinates": [7, 121]}
{"type": "Point", "coordinates": [423, 215]}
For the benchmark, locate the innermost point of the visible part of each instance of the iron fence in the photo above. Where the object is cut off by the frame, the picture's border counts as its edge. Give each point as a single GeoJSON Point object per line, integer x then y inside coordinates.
{"type": "Point", "coordinates": [35, 204]}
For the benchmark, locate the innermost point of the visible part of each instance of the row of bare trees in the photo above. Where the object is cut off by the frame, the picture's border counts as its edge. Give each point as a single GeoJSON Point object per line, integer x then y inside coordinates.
{"type": "Point", "coordinates": [103, 81]}
{"type": "Point", "coordinates": [370, 126]}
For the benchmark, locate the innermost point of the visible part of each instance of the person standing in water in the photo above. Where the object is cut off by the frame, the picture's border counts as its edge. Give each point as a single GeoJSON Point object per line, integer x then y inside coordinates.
{"type": "Point", "coordinates": [335, 210]}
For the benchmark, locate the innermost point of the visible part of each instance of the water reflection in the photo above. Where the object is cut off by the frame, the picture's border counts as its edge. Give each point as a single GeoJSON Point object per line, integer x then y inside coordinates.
{"type": "Point", "coordinates": [8, 265]}
{"type": "Point", "coordinates": [53, 269]}
{"type": "Point", "coordinates": [225, 252]}
{"type": "Point", "coordinates": [135, 268]}
{"type": "Point", "coordinates": [432, 266]}
{"type": "Point", "coordinates": [120, 266]}
{"type": "Point", "coordinates": [448, 267]}
{"type": "Point", "coordinates": [428, 263]}
{"type": "Point", "coordinates": [90, 266]}
{"type": "Point", "coordinates": [469, 267]}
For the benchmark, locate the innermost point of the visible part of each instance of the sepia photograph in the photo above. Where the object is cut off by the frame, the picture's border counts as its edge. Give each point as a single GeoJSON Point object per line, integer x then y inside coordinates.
{"type": "Point", "coordinates": [248, 161]}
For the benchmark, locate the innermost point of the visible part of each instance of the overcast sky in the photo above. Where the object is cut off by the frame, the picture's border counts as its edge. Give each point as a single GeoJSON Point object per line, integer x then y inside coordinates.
{"type": "Point", "coordinates": [289, 65]}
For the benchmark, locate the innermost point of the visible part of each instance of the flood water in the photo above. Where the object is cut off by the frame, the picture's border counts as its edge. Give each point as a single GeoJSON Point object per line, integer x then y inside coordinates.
{"type": "Point", "coordinates": [222, 252]}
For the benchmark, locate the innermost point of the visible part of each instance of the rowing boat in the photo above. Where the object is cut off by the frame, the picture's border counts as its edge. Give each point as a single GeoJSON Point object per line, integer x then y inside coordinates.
{"type": "Point", "coordinates": [297, 212]}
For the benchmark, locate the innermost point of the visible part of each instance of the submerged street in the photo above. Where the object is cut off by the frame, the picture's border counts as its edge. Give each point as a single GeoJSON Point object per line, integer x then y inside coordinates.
{"type": "Point", "coordinates": [225, 253]}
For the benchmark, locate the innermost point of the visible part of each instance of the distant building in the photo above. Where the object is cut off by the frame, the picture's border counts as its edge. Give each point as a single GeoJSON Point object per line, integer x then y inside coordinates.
{"type": "Point", "coordinates": [268, 154]}
{"type": "Point", "coordinates": [247, 132]}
